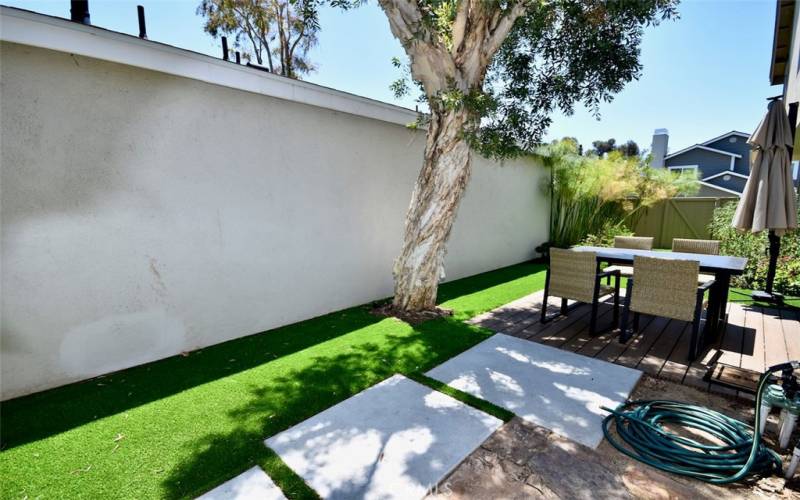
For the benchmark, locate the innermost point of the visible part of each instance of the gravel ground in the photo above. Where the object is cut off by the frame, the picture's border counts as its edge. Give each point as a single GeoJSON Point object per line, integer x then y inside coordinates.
{"type": "Point", "coordinates": [522, 460]}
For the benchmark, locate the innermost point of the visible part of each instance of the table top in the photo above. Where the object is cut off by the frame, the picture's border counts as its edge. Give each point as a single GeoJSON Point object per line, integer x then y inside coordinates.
{"type": "Point", "coordinates": [708, 263]}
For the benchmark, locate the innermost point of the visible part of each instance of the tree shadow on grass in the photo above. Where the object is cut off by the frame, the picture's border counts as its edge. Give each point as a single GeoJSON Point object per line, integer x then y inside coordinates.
{"type": "Point", "coordinates": [290, 398]}
{"type": "Point", "coordinates": [77, 404]}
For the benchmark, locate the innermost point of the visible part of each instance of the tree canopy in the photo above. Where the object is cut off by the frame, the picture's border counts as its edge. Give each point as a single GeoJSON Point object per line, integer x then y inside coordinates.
{"type": "Point", "coordinates": [601, 148]}
{"type": "Point", "coordinates": [556, 54]}
{"type": "Point", "coordinates": [277, 34]}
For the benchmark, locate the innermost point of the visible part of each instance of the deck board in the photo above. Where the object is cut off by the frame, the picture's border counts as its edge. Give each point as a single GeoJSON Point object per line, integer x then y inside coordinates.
{"type": "Point", "coordinates": [754, 338]}
{"type": "Point", "coordinates": [773, 337]}
{"type": "Point", "coordinates": [731, 344]}
{"type": "Point", "coordinates": [640, 345]}
{"type": "Point", "coordinates": [662, 348]}
{"type": "Point", "coordinates": [614, 349]}
{"type": "Point", "coordinates": [790, 323]}
{"type": "Point", "coordinates": [753, 344]}
{"type": "Point", "coordinates": [678, 362]}
{"type": "Point", "coordinates": [583, 337]}
{"type": "Point", "coordinates": [537, 329]}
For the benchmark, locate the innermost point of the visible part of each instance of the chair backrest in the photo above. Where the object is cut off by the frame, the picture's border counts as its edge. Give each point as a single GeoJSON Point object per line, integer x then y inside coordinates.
{"type": "Point", "coordinates": [572, 274]}
{"type": "Point", "coordinates": [709, 247]}
{"type": "Point", "coordinates": [665, 287]}
{"type": "Point", "coordinates": [635, 242]}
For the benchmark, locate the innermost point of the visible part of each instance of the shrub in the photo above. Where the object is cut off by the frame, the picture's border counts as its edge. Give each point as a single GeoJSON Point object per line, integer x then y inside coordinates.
{"type": "Point", "coordinates": [755, 247]}
{"type": "Point", "coordinates": [605, 237]}
{"type": "Point", "coordinates": [590, 195]}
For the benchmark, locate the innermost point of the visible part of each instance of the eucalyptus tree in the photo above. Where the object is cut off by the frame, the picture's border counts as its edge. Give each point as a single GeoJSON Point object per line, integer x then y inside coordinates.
{"type": "Point", "coordinates": [492, 72]}
{"type": "Point", "coordinates": [278, 34]}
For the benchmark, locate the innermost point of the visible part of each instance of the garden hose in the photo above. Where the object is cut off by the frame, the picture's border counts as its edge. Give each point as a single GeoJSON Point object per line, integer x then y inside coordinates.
{"type": "Point", "coordinates": [640, 424]}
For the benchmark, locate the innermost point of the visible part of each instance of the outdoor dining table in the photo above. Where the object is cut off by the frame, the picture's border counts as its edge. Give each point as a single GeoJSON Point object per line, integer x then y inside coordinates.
{"type": "Point", "coordinates": [721, 266]}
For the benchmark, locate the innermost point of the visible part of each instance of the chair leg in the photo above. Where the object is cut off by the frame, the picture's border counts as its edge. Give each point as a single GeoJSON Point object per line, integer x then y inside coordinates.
{"type": "Point", "coordinates": [593, 319]}
{"type": "Point", "coordinates": [564, 307]}
{"type": "Point", "coordinates": [636, 318]}
{"type": "Point", "coordinates": [544, 297]}
{"type": "Point", "coordinates": [694, 339]}
{"type": "Point", "coordinates": [696, 335]}
{"type": "Point", "coordinates": [595, 301]}
{"type": "Point", "coordinates": [626, 309]}
{"type": "Point", "coordinates": [616, 301]}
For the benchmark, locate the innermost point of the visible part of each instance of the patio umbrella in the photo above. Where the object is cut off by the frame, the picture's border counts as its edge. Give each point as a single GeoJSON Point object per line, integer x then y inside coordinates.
{"type": "Point", "coordinates": [768, 201]}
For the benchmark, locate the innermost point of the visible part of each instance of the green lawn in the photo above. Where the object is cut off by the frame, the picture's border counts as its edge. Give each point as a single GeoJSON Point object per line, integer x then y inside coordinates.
{"type": "Point", "coordinates": [742, 296]}
{"type": "Point", "coordinates": [178, 427]}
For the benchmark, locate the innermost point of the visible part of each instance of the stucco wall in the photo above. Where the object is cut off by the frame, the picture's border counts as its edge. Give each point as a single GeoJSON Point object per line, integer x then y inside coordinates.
{"type": "Point", "coordinates": [791, 86]}
{"type": "Point", "coordinates": [145, 214]}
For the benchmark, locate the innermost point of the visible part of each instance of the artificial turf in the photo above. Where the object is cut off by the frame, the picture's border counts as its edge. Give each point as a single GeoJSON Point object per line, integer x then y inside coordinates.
{"type": "Point", "coordinates": [178, 427]}
{"type": "Point", "coordinates": [742, 296]}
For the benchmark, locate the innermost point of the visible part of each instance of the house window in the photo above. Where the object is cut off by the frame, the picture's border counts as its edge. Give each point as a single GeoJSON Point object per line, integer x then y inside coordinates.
{"type": "Point", "coordinates": [681, 168]}
{"type": "Point", "coordinates": [732, 139]}
{"type": "Point", "coordinates": [726, 177]}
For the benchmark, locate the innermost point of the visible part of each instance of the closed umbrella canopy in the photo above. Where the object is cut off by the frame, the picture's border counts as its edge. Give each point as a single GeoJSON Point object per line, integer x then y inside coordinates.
{"type": "Point", "coordinates": [768, 201]}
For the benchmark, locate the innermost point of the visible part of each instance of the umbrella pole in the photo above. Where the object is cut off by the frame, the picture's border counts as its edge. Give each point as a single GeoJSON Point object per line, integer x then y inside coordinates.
{"type": "Point", "coordinates": [774, 249]}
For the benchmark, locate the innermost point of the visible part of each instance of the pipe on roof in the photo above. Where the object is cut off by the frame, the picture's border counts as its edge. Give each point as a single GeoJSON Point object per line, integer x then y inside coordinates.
{"type": "Point", "coordinates": [79, 11]}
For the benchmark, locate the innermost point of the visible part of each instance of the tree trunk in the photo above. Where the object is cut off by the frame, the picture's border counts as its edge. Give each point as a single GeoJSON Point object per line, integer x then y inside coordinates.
{"type": "Point", "coordinates": [437, 194]}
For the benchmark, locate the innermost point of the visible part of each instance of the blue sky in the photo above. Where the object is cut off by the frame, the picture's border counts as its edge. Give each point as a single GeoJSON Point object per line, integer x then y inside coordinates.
{"type": "Point", "coordinates": [704, 74]}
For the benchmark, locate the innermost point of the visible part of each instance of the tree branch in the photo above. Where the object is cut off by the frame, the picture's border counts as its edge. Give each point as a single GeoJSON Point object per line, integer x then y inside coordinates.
{"type": "Point", "coordinates": [431, 62]}
{"type": "Point", "coordinates": [502, 27]}
{"type": "Point", "coordinates": [404, 19]}
{"type": "Point", "coordinates": [460, 25]}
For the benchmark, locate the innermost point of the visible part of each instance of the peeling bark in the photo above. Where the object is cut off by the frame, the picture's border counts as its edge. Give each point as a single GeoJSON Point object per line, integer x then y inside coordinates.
{"type": "Point", "coordinates": [437, 194]}
{"type": "Point", "coordinates": [478, 31]}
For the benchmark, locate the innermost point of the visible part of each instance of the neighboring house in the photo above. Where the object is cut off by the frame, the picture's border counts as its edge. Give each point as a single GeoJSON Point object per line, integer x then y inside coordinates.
{"type": "Point", "coordinates": [721, 162]}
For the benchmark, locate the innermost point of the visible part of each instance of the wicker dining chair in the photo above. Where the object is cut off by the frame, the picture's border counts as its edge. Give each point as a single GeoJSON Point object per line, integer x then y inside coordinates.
{"type": "Point", "coordinates": [574, 275]}
{"type": "Point", "coordinates": [668, 288]}
{"type": "Point", "coordinates": [632, 242]}
{"type": "Point", "coordinates": [707, 247]}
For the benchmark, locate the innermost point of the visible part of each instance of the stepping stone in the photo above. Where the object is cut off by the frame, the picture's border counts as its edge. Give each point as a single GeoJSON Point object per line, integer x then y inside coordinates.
{"type": "Point", "coordinates": [397, 439]}
{"type": "Point", "coordinates": [252, 484]}
{"type": "Point", "coordinates": [556, 389]}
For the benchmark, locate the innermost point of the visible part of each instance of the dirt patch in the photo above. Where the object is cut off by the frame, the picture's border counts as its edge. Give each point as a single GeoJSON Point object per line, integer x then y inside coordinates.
{"type": "Point", "coordinates": [522, 460]}
{"type": "Point", "coordinates": [412, 318]}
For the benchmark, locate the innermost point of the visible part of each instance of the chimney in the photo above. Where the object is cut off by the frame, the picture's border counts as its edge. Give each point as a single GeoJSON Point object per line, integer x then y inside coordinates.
{"type": "Point", "coordinates": [658, 150]}
{"type": "Point", "coordinates": [79, 11]}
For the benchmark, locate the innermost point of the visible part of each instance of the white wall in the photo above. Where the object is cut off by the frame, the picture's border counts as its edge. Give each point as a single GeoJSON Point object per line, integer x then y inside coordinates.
{"type": "Point", "coordinates": [145, 214]}
{"type": "Point", "coordinates": [791, 88]}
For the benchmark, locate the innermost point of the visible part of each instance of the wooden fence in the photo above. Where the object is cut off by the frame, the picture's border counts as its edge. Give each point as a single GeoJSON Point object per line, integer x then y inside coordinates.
{"type": "Point", "coordinates": [678, 218]}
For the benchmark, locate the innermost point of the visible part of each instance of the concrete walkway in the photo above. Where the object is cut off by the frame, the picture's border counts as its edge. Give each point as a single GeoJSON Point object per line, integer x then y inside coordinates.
{"type": "Point", "coordinates": [252, 484]}
{"type": "Point", "coordinates": [395, 440]}
{"type": "Point", "coordinates": [559, 390]}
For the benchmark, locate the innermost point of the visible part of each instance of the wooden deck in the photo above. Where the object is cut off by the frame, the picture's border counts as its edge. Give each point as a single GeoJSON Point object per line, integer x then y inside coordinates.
{"type": "Point", "coordinates": [755, 338]}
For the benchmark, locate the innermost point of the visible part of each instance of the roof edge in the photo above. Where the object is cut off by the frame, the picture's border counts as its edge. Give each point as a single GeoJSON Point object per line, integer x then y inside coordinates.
{"type": "Point", "coordinates": [54, 33]}
{"type": "Point", "coordinates": [703, 147]}
{"type": "Point", "coordinates": [726, 134]}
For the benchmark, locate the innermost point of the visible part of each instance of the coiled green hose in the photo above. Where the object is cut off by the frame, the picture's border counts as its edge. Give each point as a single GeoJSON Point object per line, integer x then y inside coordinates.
{"type": "Point", "coordinates": [640, 425]}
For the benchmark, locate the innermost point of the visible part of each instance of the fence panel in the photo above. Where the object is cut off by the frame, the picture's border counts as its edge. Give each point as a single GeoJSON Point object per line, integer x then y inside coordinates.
{"type": "Point", "coordinates": [678, 218]}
